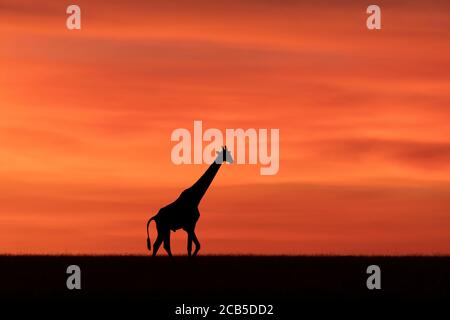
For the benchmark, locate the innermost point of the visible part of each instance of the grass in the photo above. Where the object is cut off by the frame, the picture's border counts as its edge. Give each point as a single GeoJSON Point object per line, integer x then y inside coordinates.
{"type": "Point", "coordinates": [281, 278]}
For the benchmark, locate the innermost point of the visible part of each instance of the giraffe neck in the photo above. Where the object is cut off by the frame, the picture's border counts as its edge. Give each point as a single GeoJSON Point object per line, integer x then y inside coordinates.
{"type": "Point", "coordinates": [200, 187]}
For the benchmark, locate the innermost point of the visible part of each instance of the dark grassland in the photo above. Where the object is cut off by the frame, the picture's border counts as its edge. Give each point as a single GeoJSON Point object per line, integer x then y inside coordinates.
{"type": "Point", "coordinates": [290, 282]}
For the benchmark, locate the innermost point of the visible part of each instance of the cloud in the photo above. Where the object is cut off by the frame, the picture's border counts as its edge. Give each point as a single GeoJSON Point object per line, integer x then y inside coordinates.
{"type": "Point", "coordinates": [86, 119]}
{"type": "Point", "coordinates": [424, 155]}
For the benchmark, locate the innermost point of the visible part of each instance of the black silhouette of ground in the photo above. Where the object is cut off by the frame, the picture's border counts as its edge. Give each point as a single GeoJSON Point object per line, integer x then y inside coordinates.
{"type": "Point", "coordinates": [290, 283]}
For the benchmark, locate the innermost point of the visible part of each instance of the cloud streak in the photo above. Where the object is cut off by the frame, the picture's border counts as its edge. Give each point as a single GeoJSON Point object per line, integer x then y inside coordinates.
{"type": "Point", "coordinates": [86, 119]}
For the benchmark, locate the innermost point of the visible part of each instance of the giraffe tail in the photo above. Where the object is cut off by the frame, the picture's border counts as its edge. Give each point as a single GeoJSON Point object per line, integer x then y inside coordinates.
{"type": "Point", "coordinates": [149, 245]}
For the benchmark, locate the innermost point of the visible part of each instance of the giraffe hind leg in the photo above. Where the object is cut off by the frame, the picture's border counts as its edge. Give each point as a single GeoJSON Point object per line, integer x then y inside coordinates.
{"type": "Point", "coordinates": [157, 244]}
{"type": "Point", "coordinates": [167, 243]}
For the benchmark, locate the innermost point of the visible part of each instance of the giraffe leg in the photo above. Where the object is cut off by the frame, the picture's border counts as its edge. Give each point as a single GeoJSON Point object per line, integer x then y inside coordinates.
{"type": "Point", "coordinates": [167, 243]}
{"type": "Point", "coordinates": [189, 244]}
{"type": "Point", "coordinates": [157, 244]}
{"type": "Point", "coordinates": [196, 242]}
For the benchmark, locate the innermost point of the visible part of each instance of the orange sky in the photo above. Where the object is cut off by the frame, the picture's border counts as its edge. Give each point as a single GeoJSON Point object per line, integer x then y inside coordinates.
{"type": "Point", "coordinates": [86, 118]}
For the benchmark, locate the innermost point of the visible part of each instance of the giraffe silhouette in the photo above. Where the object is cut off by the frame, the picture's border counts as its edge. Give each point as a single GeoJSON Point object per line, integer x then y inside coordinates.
{"type": "Point", "coordinates": [183, 213]}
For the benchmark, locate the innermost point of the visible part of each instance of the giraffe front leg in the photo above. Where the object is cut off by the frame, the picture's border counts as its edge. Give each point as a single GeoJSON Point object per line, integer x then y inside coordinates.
{"type": "Point", "coordinates": [189, 244]}
{"type": "Point", "coordinates": [196, 242]}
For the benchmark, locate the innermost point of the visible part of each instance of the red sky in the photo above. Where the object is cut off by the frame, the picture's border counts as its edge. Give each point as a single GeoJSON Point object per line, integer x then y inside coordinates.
{"type": "Point", "coordinates": [86, 118]}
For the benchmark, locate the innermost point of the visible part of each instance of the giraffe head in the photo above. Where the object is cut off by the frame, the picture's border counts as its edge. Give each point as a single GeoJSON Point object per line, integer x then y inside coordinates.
{"type": "Point", "coordinates": [224, 155]}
